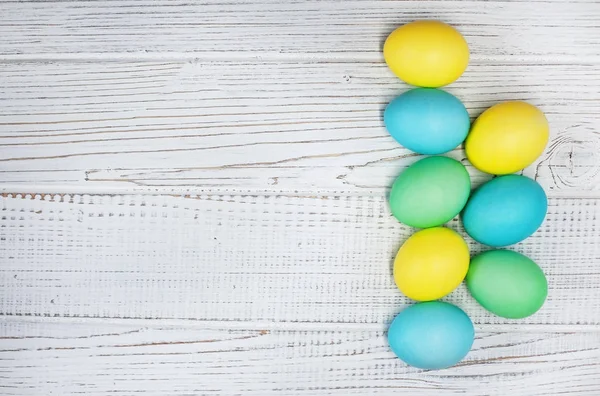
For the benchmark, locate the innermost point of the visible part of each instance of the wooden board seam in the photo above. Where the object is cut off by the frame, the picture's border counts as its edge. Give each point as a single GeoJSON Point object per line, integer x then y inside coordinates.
{"type": "Point", "coordinates": [271, 56]}
{"type": "Point", "coordinates": [280, 326]}
{"type": "Point", "coordinates": [51, 192]}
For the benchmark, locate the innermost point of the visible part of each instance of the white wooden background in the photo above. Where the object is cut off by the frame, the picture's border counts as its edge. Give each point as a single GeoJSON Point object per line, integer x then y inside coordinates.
{"type": "Point", "coordinates": [193, 197]}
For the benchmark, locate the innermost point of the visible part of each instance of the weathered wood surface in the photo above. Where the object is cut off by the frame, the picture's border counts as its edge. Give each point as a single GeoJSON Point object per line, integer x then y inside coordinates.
{"type": "Point", "coordinates": [356, 29]}
{"type": "Point", "coordinates": [253, 258]}
{"type": "Point", "coordinates": [266, 294]}
{"type": "Point", "coordinates": [239, 126]}
{"type": "Point", "coordinates": [100, 358]}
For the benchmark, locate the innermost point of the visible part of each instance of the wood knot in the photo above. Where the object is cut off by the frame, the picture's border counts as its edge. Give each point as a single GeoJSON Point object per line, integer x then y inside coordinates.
{"type": "Point", "coordinates": [572, 160]}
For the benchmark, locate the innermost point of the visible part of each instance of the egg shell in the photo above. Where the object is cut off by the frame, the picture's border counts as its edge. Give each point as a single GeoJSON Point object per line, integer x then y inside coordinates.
{"type": "Point", "coordinates": [431, 264]}
{"type": "Point", "coordinates": [507, 283]}
{"type": "Point", "coordinates": [426, 53]}
{"type": "Point", "coordinates": [505, 210]}
{"type": "Point", "coordinates": [427, 121]}
{"type": "Point", "coordinates": [507, 137]}
{"type": "Point", "coordinates": [431, 335]}
{"type": "Point", "coordinates": [430, 192]}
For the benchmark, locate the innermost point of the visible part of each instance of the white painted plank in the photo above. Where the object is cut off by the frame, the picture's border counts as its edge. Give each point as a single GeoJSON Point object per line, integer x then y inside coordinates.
{"type": "Point", "coordinates": [351, 29]}
{"type": "Point", "coordinates": [253, 258]}
{"type": "Point", "coordinates": [239, 126]}
{"type": "Point", "coordinates": [41, 358]}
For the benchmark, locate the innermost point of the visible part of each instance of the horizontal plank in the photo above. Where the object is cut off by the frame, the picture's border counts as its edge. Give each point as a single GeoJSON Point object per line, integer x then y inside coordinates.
{"type": "Point", "coordinates": [546, 30]}
{"type": "Point", "coordinates": [253, 258]}
{"type": "Point", "coordinates": [239, 126]}
{"type": "Point", "coordinates": [97, 359]}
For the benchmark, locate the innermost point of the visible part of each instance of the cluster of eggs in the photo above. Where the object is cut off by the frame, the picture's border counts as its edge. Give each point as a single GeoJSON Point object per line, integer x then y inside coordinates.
{"type": "Point", "coordinates": [434, 261]}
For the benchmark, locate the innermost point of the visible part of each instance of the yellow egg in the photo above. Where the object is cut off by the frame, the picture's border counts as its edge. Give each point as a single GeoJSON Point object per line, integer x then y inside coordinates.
{"type": "Point", "coordinates": [507, 137]}
{"type": "Point", "coordinates": [426, 53]}
{"type": "Point", "coordinates": [431, 263]}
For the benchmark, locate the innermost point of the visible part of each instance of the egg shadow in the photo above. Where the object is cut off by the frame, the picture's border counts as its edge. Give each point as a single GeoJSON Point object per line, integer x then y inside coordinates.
{"type": "Point", "coordinates": [401, 228]}
{"type": "Point", "coordinates": [387, 34]}
{"type": "Point", "coordinates": [397, 247]}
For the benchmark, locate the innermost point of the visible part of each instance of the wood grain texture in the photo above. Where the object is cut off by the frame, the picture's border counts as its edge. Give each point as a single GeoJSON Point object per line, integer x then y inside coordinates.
{"type": "Point", "coordinates": [313, 29]}
{"type": "Point", "coordinates": [42, 358]}
{"type": "Point", "coordinates": [221, 294]}
{"type": "Point", "coordinates": [253, 258]}
{"type": "Point", "coordinates": [260, 126]}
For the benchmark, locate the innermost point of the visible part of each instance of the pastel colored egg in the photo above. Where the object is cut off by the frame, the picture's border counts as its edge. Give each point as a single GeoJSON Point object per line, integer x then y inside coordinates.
{"type": "Point", "coordinates": [505, 210]}
{"type": "Point", "coordinates": [426, 53]}
{"type": "Point", "coordinates": [431, 335]}
{"type": "Point", "coordinates": [431, 263]}
{"type": "Point", "coordinates": [507, 283]}
{"type": "Point", "coordinates": [507, 137]}
{"type": "Point", "coordinates": [430, 192]}
{"type": "Point", "coordinates": [427, 121]}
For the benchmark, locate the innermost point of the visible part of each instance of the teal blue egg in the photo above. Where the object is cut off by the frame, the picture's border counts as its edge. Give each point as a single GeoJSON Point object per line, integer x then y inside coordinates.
{"type": "Point", "coordinates": [427, 121]}
{"type": "Point", "coordinates": [431, 335]}
{"type": "Point", "coordinates": [505, 210]}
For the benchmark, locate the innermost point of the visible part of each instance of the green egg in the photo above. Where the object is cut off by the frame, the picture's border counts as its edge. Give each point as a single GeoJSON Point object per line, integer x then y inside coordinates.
{"type": "Point", "coordinates": [507, 283]}
{"type": "Point", "coordinates": [430, 192]}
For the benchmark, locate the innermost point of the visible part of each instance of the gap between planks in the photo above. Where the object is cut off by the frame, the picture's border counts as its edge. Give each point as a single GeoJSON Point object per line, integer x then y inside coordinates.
{"type": "Point", "coordinates": [281, 57]}
{"type": "Point", "coordinates": [282, 326]}
{"type": "Point", "coordinates": [31, 192]}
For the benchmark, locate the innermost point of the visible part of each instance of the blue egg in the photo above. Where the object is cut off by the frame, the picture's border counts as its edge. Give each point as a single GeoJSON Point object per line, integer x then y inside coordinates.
{"type": "Point", "coordinates": [431, 335]}
{"type": "Point", "coordinates": [427, 121]}
{"type": "Point", "coordinates": [505, 210]}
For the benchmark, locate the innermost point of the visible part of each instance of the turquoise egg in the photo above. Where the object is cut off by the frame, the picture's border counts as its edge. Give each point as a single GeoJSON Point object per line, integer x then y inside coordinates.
{"type": "Point", "coordinates": [431, 335]}
{"type": "Point", "coordinates": [505, 210]}
{"type": "Point", "coordinates": [430, 192]}
{"type": "Point", "coordinates": [427, 121]}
